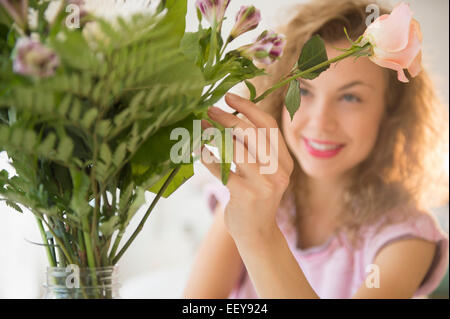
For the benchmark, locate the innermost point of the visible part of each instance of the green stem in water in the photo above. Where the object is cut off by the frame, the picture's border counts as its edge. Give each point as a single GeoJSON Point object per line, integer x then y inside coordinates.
{"type": "Point", "coordinates": [116, 243]}
{"type": "Point", "coordinates": [58, 241]}
{"type": "Point", "coordinates": [90, 259]}
{"type": "Point", "coordinates": [50, 258]}
{"type": "Point", "coordinates": [147, 213]}
{"type": "Point", "coordinates": [89, 251]}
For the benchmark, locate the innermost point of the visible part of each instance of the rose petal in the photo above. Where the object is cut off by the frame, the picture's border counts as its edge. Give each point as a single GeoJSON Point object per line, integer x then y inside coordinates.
{"type": "Point", "coordinates": [405, 57]}
{"type": "Point", "coordinates": [391, 65]}
{"type": "Point", "coordinates": [391, 32]}
{"type": "Point", "coordinates": [415, 67]}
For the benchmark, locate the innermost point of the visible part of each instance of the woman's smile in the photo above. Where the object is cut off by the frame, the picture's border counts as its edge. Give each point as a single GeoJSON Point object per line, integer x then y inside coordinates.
{"type": "Point", "coordinates": [323, 149]}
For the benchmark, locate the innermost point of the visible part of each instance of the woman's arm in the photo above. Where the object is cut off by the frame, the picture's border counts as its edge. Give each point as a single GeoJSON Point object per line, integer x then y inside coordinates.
{"type": "Point", "coordinates": [275, 272]}
{"type": "Point", "coordinates": [273, 269]}
{"type": "Point", "coordinates": [217, 266]}
{"type": "Point", "coordinates": [401, 267]}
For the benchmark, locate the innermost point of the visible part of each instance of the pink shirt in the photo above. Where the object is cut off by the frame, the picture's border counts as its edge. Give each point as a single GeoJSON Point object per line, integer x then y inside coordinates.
{"type": "Point", "coordinates": [334, 269]}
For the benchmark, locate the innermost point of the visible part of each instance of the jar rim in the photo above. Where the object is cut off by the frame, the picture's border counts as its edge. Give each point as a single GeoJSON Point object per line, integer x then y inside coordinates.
{"type": "Point", "coordinates": [82, 268]}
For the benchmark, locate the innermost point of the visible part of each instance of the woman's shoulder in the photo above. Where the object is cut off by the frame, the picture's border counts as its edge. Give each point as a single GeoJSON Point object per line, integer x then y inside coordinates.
{"type": "Point", "coordinates": [406, 220]}
{"type": "Point", "coordinates": [410, 222]}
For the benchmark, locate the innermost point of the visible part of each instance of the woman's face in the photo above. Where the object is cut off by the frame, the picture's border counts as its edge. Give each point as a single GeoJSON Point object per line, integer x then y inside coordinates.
{"type": "Point", "coordinates": [337, 123]}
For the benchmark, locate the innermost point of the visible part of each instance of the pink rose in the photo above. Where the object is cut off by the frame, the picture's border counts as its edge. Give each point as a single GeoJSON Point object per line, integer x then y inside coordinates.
{"type": "Point", "coordinates": [396, 41]}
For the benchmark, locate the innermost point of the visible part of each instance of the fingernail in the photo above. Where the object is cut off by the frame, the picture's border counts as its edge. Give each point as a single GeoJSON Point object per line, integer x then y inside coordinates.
{"type": "Point", "coordinates": [233, 96]}
{"type": "Point", "coordinates": [205, 124]}
{"type": "Point", "coordinates": [212, 111]}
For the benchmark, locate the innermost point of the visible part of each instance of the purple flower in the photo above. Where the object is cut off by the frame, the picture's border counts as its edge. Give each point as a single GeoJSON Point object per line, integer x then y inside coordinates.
{"type": "Point", "coordinates": [18, 10]}
{"type": "Point", "coordinates": [213, 10]}
{"type": "Point", "coordinates": [247, 19]}
{"type": "Point", "coordinates": [267, 49]}
{"type": "Point", "coordinates": [32, 58]}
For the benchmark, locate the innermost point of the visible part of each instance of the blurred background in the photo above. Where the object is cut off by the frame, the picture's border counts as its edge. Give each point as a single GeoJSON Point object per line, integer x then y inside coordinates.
{"type": "Point", "coordinates": [158, 263]}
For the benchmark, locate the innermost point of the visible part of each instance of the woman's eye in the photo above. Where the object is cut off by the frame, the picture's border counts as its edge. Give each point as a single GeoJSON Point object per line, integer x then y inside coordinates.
{"type": "Point", "coordinates": [303, 92]}
{"type": "Point", "coordinates": [351, 98]}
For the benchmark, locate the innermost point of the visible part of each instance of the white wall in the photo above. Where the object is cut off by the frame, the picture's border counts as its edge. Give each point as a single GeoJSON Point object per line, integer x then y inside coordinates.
{"type": "Point", "coordinates": [157, 264]}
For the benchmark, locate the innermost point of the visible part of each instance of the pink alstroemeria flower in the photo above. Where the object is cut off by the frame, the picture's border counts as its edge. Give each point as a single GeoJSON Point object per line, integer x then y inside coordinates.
{"type": "Point", "coordinates": [34, 59]}
{"type": "Point", "coordinates": [396, 41]}
{"type": "Point", "coordinates": [267, 49]}
{"type": "Point", "coordinates": [213, 10]}
{"type": "Point", "coordinates": [247, 19]}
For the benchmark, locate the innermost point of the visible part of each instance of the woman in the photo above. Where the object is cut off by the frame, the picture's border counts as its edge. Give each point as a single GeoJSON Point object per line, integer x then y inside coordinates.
{"type": "Point", "coordinates": [346, 214]}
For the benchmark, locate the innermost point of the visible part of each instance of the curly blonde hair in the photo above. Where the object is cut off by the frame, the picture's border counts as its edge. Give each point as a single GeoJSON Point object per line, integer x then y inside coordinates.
{"type": "Point", "coordinates": [405, 168]}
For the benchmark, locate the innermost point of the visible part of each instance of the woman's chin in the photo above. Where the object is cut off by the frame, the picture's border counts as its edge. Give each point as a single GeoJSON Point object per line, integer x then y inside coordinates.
{"type": "Point", "coordinates": [319, 169]}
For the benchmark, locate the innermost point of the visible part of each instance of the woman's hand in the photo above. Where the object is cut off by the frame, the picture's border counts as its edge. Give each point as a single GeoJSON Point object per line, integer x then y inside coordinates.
{"type": "Point", "coordinates": [255, 192]}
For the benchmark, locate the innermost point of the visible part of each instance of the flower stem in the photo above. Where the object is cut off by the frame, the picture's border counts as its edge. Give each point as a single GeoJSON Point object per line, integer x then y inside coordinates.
{"type": "Point", "coordinates": [50, 258]}
{"type": "Point", "coordinates": [147, 213]}
{"type": "Point", "coordinates": [223, 49]}
{"type": "Point", "coordinates": [350, 52]}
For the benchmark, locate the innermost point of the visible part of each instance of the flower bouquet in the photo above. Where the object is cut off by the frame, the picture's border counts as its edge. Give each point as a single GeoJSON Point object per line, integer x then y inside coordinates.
{"type": "Point", "coordinates": [90, 92]}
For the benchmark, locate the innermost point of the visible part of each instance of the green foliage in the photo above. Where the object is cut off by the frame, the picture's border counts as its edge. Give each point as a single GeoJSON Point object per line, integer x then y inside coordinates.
{"type": "Point", "coordinates": [108, 101]}
{"type": "Point", "coordinates": [251, 89]}
{"type": "Point", "coordinates": [313, 53]}
{"type": "Point", "coordinates": [186, 172]}
{"type": "Point", "coordinates": [89, 141]}
{"type": "Point", "coordinates": [293, 98]}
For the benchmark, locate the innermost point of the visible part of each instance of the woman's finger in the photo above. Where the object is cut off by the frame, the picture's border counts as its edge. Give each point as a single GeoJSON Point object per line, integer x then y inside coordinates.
{"type": "Point", "coordinates": [262, 119]}
{"type": "Point", "coordinates": [246, 164]}
{"type": "Point", "coordinates": [212, 163]}
{"type": "Point", "coordinates": [243, 131]}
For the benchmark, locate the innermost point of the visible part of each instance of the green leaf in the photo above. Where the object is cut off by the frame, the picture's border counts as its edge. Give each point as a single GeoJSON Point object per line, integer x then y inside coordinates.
{"type": "Point", "coordinates": [107, 228]}
{"type": "Point", "coordinates": [13, 205]}
{"type": "Point", "coordinates": [65, 148]}
{"type": "Point", "coordinates": [81, 184]}
{"type": "Point", "coordinates": [185, 172]}
{"type": "Point", "coordinates": [293, 98]}
{"type": "Point", "coordinates": [246, 70]}
{"type": "Point", "coordinates": [89, 118]}
{"type": "Point", "coordinates": [251, 88]}
{"type": "Point", "coordinates": [119, 155]}
{"type": "Point", "coordinates": [313, 53]}
{"type": "Point", "coordinates": [138, 201]}
{"type": "Point", "coordinates": [156, 149]}
{"type": "Point", "coordinates": [190, 45]}
{"type": "Point", "coordinates": [105, 154]}
{"type": "Point", "coordinates": [47, 145]}
{"type": "Point", "coordinates": [226, 153]}
{"type": "Point", "coordinates": [176, 18]}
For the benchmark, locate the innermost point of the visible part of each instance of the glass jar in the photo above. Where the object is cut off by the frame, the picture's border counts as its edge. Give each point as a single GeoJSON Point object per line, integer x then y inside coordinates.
{"type": "Point", "coordinates": [73, 282]}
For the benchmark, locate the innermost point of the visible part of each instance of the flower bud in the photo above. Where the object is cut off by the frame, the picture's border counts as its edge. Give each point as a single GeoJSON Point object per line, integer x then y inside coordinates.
{"type": "Point", "coordinates": [213, 10]}
{"type": "Point", "coordinates": [267, 49]}
{"type": "Point", "coordinates": [32, 58]}
{"type": "Point", "coordinates": [247, 19]}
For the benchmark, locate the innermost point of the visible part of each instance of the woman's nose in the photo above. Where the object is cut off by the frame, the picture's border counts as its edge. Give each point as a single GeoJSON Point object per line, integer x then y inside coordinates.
{"type": "Point", "coordinates": [322, 116]}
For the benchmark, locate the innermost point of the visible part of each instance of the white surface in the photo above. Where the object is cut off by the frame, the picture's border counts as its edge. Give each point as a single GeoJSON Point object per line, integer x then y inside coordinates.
{"type": "Point", "coordinates": [158, 263]}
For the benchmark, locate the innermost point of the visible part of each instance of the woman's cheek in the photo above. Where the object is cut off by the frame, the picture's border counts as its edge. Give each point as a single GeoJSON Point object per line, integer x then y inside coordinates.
{"type": "Point", "coordinates": [364, 131]}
